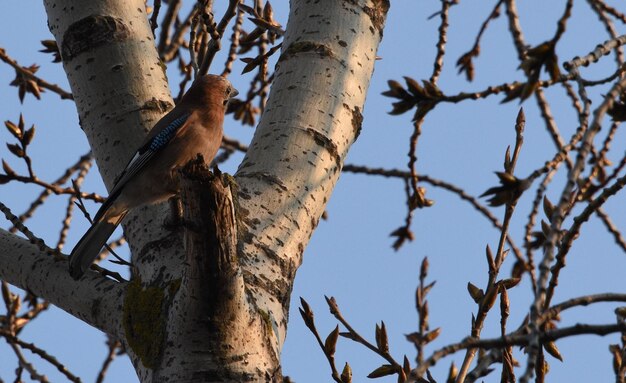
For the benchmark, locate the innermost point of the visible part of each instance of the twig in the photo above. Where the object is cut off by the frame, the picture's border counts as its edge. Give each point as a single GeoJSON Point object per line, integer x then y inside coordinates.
{"type": "Point", "coordinates": [234, 44]}
{"type": "Point", "coordinates": [329, 350]}
{"type": "Point", "coordinates": [610, 10]}
{"type": "Point", "coordinates": [617, 236]}
{"type": "Point", "coordinates": [113, 346]}
{"type": "Point", "coordinates": [42, 354]}
{"type": "Point", "coordinates": [441, 43]}
{"type": "Point", "coordinates": [610, 28]}
{"type": "Point", "coordinates": [192, 40]}
{"type": "Point", "coordinates": [530, 223]}
{"type": "Point", "coordinates": [544, 107]}
{"type": "Point", "coordinates": [70, 207]}
{"type": "Point", "coordinates": [45, 193]}
{"type": "Point", "coordinates": [215, 43]}
{"type": "Point", "coordinates": [601, 50]}
{"type": "Point", "coordinates": [562, 23]}
{"type": "Point", "coordinates": [573, 231]}
{"type": "Point", "coordinates": [516, 29]}
{"type": "Point", "coordinates": [555, 310]}
{"type": "Point", "coordinates": [355, 336]}
{"type": "Point", "coordinates": [170, 51]}
{"type": "Point", "coordinates": [492, 287]}
{"type": "Point", "coordinates": [516, 339]}
{"type": "Point", "coordinates": [465, 63]}
{"type": "Point", "coordinates": [55, 189]}
{"type": "Point", "coordinates": [556, 220]}
{"type": "Point", "coordinates": [423, 336]}
{"type": "Point", "coordinates": [154, 23]}
{"type": "Point", "coordinates": [32, 238]}
{"type": "Point", "coordinates": [231, 143]}
{"type": "Point", "coordinates": [173, 7]}
{"type": "Point", "coordinates": [395, 173]}
{"type": "Point", "coordinates": [32, 371]}
{"type": "Point", "coordinates": [28, 74]}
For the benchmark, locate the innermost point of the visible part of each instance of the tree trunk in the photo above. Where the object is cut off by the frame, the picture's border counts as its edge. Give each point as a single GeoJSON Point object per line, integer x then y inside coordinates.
{"type": "Point", "coordinates": [312, 117]}
{"type": "Point", "coordinates": [208, 302]}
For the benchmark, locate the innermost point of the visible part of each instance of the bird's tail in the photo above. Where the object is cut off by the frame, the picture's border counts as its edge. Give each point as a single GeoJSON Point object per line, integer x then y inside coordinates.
{"type": "Point", "coordinates": [88, 248]}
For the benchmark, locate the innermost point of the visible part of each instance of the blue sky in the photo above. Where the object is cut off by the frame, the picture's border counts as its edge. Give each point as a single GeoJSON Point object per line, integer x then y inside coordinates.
{"type": "Point", "coordinates": [350, 256]}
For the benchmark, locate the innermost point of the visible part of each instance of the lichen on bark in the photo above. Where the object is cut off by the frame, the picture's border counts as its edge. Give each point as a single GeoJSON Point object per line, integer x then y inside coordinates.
{"type": "Point", "coordinates": [144, 321]}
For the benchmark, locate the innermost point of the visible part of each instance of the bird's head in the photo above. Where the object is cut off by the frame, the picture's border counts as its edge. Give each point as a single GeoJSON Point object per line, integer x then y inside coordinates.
{"type": "Point", "coordinates": [211, 90]}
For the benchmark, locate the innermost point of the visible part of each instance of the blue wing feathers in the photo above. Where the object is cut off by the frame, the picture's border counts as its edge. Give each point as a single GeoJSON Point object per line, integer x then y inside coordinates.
{"type": "Point", "coordinates": [166, 134]}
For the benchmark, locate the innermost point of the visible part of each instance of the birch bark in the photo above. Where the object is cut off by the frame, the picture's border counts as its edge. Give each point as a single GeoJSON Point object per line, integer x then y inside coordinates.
{"type": "Point", "coordinates": [312, 117]}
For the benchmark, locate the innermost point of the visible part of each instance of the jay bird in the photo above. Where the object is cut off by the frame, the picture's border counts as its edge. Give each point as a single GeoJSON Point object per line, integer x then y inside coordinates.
{"type": "Point", "coordinates": [193, 127]}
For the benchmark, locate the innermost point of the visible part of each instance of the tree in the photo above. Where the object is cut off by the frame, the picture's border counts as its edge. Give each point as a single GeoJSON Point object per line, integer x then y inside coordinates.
{"type": "Point", "coordinates": [265, 215]}
{"type": "Point", "coordinates": [238, 330]}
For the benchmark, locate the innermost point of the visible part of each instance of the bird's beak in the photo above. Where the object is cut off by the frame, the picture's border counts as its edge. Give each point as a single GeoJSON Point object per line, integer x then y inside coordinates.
{"type": "Point", "coordinates": [234, 93]}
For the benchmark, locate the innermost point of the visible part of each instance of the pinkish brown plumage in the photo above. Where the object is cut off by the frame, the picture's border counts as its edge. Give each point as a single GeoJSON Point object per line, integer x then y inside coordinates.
{"type": "Point", "coordinates": [193, 127]}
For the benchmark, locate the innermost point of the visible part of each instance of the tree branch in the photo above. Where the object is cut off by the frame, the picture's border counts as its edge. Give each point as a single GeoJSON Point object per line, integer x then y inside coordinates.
{"type": "Point", "coordinates": [94, 299]}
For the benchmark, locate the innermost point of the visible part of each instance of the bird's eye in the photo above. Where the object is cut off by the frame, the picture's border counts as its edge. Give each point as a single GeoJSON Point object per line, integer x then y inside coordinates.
{"type": "Point", "coordinates": [227, 95]}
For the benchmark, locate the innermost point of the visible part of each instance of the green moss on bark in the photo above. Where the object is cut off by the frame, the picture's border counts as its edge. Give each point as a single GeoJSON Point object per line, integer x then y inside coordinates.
{"type": "Point", "coordinates": [144, 321]}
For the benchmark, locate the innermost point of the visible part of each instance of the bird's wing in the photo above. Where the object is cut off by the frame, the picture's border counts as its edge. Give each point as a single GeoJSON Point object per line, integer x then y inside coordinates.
{"type": "Point", "coordinates": [157, 140]}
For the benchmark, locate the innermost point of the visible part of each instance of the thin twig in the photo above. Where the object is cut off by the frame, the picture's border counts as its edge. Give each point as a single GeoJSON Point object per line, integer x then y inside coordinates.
{"type": "Point", "coordinates": [491, 287]}
{"type": "Point", "coordinates": [154, 23]}
{"type": "Point", "coordinates": [395, 173]}
{"type": "Point", "coordinates": [234, 44]}
{"type": "Point", "coordinates": [215, 44]}
{"type": "Point", "coordinates": [610, 28]}
{"type": "Point", "coordinates": [516, 339]}
{"type": "Point", "coordinates": [170, 51]}
{"type": "Point", "coordinates": [56, 189]}
{"type": "Point", "coordinates": [556, 220]}
{"type": "Point", "coordinates": [32, 371]}
{"type": "Point", "coordinates": [601, 50]}
{"type": "Point", "coordinates": [573, 231]}
{"type": "Point", "coordinates": [113, 345]}
{"type": "Point", "coordinates": [32, 238]}
{"type": "Point", "coordinates": [45, 193]}
{"type": "Point", "coordinates": [441, 43]}
{"type": "Point", "coordinates": [70, 207]}
{"type": "Point", "coordinates": [173, 7]}
{"type": "Point", "coordinates": [355, 336]}
{"type": "Point", "coordinates": [610, 10]}
{"type": "Point", "coordinates": [42, 354]}
{"type": "Point", "coordinates": [40, 82]}
{"type": "Point", "coordinates": [617, 236]}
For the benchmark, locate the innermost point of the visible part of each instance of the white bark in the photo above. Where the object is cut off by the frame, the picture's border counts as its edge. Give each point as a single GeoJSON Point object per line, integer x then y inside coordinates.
{"type": "Point", "coordinates": [312, 117]}
{"type": "Point", "coordinates": [236, 329]}
{"type": "Point", "coordinates": [95, 300]}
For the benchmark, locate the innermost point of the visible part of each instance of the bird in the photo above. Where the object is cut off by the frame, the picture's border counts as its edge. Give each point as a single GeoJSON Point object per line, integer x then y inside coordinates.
{"type": "Point", "coordinates": [193, 127]}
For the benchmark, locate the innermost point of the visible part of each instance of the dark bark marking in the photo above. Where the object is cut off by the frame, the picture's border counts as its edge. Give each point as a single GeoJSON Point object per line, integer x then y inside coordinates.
{"type": "Point", "coordinates": [91, 32]}
{"type": "Point", "coordinates": [309, 46]}
{"type": "Point", "coordinates": [357, 121]}
{"type": "Point", "coordinates": [272, 179]}
{"type": "Point", "coordinates": [157, 105]}
{"type": "Point", "coordinates": [378, 14]}
{"type": "Point", "coordinates": [328, 144]}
